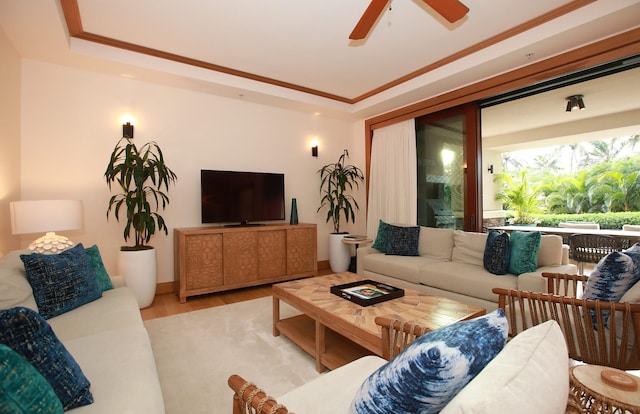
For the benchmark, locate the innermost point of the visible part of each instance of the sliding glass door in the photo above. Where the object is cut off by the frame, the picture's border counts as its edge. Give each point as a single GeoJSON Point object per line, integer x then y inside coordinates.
{"type": "Point", "coordinates": [448, 156]}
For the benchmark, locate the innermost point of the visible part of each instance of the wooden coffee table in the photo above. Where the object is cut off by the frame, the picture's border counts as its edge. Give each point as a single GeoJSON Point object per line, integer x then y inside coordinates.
{"type": "Point", "coordinates": [352, 332]}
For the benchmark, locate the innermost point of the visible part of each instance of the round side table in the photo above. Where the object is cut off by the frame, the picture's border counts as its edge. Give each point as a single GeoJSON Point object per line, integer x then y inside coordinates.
{"type": "Point", "coordinates": [357, 241]}
{"type": "Point", "coordinates": [605, 390]}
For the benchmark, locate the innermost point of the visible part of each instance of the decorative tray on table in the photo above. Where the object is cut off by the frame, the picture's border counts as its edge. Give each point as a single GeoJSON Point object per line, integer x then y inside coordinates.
{"type": "Point", "coordinates": [367, 292]}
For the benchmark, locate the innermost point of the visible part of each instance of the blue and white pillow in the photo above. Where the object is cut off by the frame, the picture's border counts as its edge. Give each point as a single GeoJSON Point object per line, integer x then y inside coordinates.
{"type": "Point", "coordinates": [433, 369]}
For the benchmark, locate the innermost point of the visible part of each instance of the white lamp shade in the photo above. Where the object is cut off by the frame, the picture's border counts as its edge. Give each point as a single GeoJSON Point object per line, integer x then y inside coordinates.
{"type": "Point", "coordinates": [40, 216]}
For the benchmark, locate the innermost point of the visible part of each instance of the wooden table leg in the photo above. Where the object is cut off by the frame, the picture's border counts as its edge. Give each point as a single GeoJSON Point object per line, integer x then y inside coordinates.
{"type": "Point", "coordinates": [276, 315]}
{"type": "Point", "coordinates": [320, 345]}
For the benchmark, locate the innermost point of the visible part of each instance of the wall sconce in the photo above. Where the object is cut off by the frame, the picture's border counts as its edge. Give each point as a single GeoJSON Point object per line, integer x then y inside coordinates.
{"type": "Point", "coordinates": [575, 102]}
{"type": "Point", "coordinates": [127, 130]}
{"type": "Point", "coordinates": [314, 148]}
{"type": "Point", "coordinates": [40, 216]}
{"type": "Point", "coordinates": [490, 169]}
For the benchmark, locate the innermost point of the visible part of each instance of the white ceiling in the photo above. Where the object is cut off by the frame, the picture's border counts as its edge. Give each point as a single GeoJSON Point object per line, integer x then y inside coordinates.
{"type": "Point", "coordinates": [297, 54]}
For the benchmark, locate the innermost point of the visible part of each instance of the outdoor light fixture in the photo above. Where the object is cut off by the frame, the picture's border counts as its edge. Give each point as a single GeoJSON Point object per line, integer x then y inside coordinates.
{"type": "Point", "coordinates": [575, 102]}
{"type": "Point", "coordinates": [40, 216]}
{"type": "Point", "coordinates": [127, 130]}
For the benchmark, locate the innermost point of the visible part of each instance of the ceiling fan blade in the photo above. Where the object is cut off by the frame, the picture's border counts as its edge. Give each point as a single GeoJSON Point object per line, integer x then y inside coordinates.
{"type": "Point", "coordinates": [452, 10]}
{"type": "Point", "coordinates": [367, 20]}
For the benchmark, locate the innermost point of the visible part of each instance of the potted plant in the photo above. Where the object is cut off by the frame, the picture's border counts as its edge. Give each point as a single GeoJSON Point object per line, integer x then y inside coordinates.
{"type": "Point", "coordinates": [519, 196]}
{"type": "Point", "coordinates": [336, 180]}
{"type": "Point", "coordinates": [140, 174]}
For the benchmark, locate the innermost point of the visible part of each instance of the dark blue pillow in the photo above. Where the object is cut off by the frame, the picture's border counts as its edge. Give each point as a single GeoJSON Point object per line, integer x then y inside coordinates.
{"type": "Point", "coordinates": [380, 243]}
{"type": "Point", "coordinates": [29, 335]}
{"type": "Point", "coordinates": [497, 253]}
{"type": "Point", "coordinates": [432, 370]}
{"type": "Point", "coordinates": [22, 388]}
{"type": "Point", "coordinates": [403, 241]}
{"type": "Point", "coordinates": [61, 282]}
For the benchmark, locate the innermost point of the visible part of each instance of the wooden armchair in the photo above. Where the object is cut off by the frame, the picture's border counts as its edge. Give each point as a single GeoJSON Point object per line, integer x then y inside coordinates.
{"type": "Point", "coordinates": [249, 399]}
{"type": "Point", "coordinates": [596, 332]}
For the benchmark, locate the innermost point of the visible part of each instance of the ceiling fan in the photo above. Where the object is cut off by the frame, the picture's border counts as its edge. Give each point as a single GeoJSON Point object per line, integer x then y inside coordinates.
{"type": "Point", "coordinates": [452, 10]}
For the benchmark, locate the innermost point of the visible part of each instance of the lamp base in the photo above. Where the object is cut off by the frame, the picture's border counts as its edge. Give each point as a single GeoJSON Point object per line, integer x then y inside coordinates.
{"type": "Point", "coordinates": [51, 243]}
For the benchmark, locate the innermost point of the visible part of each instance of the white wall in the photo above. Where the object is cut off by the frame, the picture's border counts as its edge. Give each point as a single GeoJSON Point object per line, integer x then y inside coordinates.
{"type": "Point", "coordinates": [9, 139]}
{"type": "Point", "coordinates": [71, 122]}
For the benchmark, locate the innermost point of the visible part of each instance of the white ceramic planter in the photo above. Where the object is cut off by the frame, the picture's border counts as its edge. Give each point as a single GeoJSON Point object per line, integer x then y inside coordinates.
{"type": "Point", "coordinates": [139, 271]}
{"type": "Point", "coordinates": [339, 253]}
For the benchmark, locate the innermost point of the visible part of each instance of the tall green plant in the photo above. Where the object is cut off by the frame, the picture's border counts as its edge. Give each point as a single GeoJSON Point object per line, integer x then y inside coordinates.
{"type": "Point", "coordinates": [335, 180]}
{"type": "Point", "coordinates": [140, 175]}
{"type": "Point", "coordinates": [520, 196]}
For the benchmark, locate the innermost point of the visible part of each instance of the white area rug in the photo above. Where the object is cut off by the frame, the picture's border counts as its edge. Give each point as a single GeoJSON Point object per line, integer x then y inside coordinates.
{"type": "Point", "coordinates": [196, 352]}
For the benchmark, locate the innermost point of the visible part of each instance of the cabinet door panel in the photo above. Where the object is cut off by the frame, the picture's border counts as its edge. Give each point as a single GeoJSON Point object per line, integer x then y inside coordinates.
{"type": "Point", "coordinates": [240, 257]}
{"type": "Point", "coordinates": [272, 253]}
{"type": "Point", "coordinates": [301, 245]}
{"type": "Point", "coordinates": [203, 261]}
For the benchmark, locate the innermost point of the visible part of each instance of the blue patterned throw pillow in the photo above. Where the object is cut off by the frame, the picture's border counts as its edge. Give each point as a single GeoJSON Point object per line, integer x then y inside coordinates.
{"type": "Point", "coordinates": [497, 253]}
{"type": "Point", "coordinates": [29, 335]}
{"type": "Point", "coordinates": [403, 241]}
{"type": "Point", "coordinates": [19, 395]}
{"type": "Point", "coordinates": [433, 369]}
{"type": "Point", "coordinates": [613, 276]}
{"type": "Point", "coordinates": [524, 246]}
{"type": "Point", "coordinates": [61, 282]}
{"type": "Point", "coordinates": [380, 243]}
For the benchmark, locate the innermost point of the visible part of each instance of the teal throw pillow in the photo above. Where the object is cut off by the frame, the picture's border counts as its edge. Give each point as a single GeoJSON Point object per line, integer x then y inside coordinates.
{"type": "Point", "coordinates": [22, 388]}
{"type": "Point", "coordinates": [28, 334]}
{"type": "Point", "coordinates": [380, 243]}
{"type": "Point", "coordinates": [433, 369]}
{"type": "Point", "coordinates": [61, 282]}
{"type": "Point", "coordinates": [403, 241]}
{"type": "Point", "coordinates": [104, 281]}
{"type": "Point", "coordinates": [524, 246]}
{"type": "Point", "coordinates": [497, 253]}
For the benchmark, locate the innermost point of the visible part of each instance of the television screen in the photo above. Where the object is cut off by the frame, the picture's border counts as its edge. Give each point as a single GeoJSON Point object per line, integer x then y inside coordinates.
{"type": "Point", "coordinates": [241, 197]}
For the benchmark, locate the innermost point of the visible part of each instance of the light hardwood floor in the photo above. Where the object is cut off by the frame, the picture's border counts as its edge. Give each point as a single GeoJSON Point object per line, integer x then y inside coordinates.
{"type": "Point", "coordinates": [169, 303]}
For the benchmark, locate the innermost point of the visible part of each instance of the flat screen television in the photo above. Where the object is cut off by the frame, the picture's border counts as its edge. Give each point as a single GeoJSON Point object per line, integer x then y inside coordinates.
{"type": "Point", "coordinates": [241, 198]}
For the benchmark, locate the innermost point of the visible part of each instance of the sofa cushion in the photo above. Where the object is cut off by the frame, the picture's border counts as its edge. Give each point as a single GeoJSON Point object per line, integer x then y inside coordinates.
{"type": "Point", "coordinates": [536, 356]}
{"type": "Point", "coordinates": [380, 243]}
{"type": "Point", "coordinates": [62, 281]}
{"type": "Point", "coordinates": [15, 288]}
{"type": "Point", "coordinates": [403, 241]}
{"type": "Point", "coordinates": [27, 333]}
{"type": "Point", "coordinates": [333, 391]}
{"type": "Point", "coordinates": [466, 279]}
{"type": "Point", "coordinates": [468, 247]}
{"type": "Point", "coordinates": [22, 388]}
{"type": "Point", "coordinates": [436, 243]}
{"type": "Point", "coordinates": [434, 368]}
{"type": "Point", "coordinates": [406, 268]}
{"type": "Point", "coordinates": [524, 252]}
{"type": "Point", "coordinates": [95, 259]}
{"type": "Point", "coordinates": [496, 253]}
{"type": "Point", "coordinates": [550, 253]}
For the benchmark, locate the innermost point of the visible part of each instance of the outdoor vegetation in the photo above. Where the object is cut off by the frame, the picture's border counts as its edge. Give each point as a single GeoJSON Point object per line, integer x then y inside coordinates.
{"type": "Point", "coordinates": [595, 181]}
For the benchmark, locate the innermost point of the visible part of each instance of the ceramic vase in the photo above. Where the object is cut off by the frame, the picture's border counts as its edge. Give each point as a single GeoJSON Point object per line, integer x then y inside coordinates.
{"type": "Point", "coordinates": [294, 212]}
{"type": "Point", "coordinates": [339, 253]}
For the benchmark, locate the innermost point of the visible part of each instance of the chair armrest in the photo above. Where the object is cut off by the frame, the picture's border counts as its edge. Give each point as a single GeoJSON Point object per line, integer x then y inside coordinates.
{"type": "Point", "coordinates": [564, 284]}
{"type": "Point", "coordinates": [397, 335]}
{"type": "Point", "coordinates": [249, 399]}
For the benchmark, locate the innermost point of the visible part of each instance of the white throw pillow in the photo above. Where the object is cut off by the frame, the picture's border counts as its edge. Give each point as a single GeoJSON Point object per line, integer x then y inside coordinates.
{"type": "Point", "coordinates": [436, 243]}
{"type": "Point", "coordinates": [530, 375]}
{"type": "Point", "coordinates": [550, 253]}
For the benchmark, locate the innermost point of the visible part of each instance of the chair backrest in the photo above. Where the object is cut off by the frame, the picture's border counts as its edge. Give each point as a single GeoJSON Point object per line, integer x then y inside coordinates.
{"type": "Point", "coordinates": [580, 225]}
{"type": "Point", "coordinates": [249, 399]}
{"type": "Point", "coordinates": [597, 332]}
{"type": "Point", "coordinates": [590, 248]}
{"type": "Point", "coordinates": [397, 335]}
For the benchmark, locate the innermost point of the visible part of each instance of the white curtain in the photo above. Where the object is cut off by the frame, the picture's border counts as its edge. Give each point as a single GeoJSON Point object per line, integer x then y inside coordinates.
{"type": "Point", "coordinates": [393, 178]}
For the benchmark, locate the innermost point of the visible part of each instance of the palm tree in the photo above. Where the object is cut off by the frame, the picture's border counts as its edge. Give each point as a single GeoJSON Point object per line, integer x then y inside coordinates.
{"type": "Point", "coordinates": [519, 196]}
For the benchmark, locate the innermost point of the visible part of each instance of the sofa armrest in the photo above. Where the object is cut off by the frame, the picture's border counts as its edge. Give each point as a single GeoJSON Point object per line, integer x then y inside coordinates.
{"type": "Point", "coordinates": [565, 254]}
{"type": "Point", "coordinates": [118, 281]}
{"type": "Point", "coordinates": [361, 253]}
{"type": "Point", "coordinates": [534, 282]}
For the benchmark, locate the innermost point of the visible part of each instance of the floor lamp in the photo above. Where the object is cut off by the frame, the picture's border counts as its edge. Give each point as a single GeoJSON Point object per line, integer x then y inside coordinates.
{"type": "Point", "coordinates": [46, 216]}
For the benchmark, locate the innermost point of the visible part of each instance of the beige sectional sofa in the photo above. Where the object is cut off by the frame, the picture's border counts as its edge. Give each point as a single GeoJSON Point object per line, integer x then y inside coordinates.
{"type": "Point", "coordinates": [106, 338]}
{"type": "Point", "coordinates": [450, 264]}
